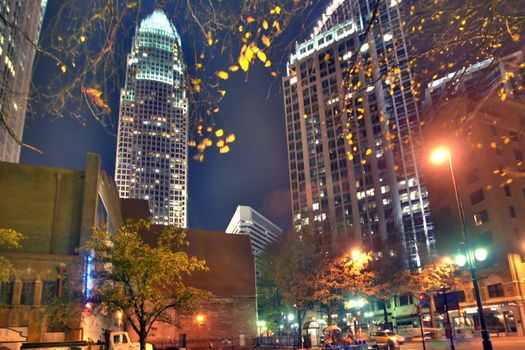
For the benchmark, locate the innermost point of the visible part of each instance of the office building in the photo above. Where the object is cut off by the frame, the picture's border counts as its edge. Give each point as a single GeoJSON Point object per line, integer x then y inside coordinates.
{"type": "Point", "coordinates": [262, 231]}
{"type": "Point", "coordinates": [354, 134]}
{"type": "Point", "coordinates": [20, 26]}
{"type": "Point", "coordinates": [153, 123]}
{"type": "Point", "coordinates": [487, 77]}
{"type": "Point", "coordinates": [486, 140]}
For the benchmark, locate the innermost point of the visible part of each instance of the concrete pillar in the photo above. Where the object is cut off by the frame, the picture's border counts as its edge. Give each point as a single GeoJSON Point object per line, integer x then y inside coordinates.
{"type": "Point", "coordinates": [37, 296]}
{"type": "Point", "coordinates": [17, 292]}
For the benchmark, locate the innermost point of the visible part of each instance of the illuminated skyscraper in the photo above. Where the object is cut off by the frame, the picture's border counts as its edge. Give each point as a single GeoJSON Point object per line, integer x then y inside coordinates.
{"type": "Point", "coordinates": [353, 136]}
{"type": "Point", "coordinates": [20, 24]}
{"type": "Point", "coordinates": [153, 124]}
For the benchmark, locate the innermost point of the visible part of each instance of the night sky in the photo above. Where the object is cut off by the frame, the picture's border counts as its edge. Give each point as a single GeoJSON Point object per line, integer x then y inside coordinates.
{"type": "Point", "coordinates": [254, 172]}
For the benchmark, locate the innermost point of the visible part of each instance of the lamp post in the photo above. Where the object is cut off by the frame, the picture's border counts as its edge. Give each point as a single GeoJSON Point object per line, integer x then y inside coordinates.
{"type": "Point", "coordinates": [439, 156]}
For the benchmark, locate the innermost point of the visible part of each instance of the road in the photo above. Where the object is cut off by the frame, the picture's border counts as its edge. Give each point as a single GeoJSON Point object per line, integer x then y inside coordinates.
{"type": "Point", "coordinates": [510, 343]}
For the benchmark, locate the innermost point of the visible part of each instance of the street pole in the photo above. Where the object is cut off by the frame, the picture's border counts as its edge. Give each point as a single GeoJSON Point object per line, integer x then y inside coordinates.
{"type": "Point", "coordinates": [419, 311]}
{"type": "Point", "coordinates": [452, 347]}
{"type": "Point", "coordinates": [487, 344]}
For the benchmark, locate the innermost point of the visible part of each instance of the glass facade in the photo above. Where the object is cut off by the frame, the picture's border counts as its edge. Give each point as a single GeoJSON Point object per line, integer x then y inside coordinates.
{"type": "Point", "coordinates": [353, 137]}
{"type": "Point", "coordinates": [20, 24]}
{"type": "Point", "coordinates": [153, 124]}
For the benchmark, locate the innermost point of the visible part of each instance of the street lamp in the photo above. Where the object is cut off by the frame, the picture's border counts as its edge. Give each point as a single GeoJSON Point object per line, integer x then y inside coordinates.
{"type": "Point", "coordinates": [439, 156]}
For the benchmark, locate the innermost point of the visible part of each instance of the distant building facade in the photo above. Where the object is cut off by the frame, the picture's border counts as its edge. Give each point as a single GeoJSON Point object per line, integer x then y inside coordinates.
{"type": "Point", "coordinates": [262, 231]}
{"type": "Point", "coordinates": [353, 143]}
{"type": "Point", "coordinates": [485, 78]}
{"type": "Point", "coordinates": [152, 148]}
{"type": "Point", "coordinates": [56, 210]}
{"type": "Point", "coordinates": [18, 19]}
{"type": "Point", "coordinates": [487, 141]}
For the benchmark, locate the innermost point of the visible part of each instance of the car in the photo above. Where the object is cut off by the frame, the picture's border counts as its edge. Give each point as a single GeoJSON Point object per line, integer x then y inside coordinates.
{"type": "Point", "coordinates": [385, 336]}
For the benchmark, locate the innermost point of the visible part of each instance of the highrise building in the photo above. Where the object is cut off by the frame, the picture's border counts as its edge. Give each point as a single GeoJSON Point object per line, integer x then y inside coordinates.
{"type": "Point", "coordinates": [262, 231]}
{"type": "Point", "coordinates": [354, 133]}
{"type": "Point", "coordinates": [153, 124]}
{"type": "Point", "coordinates": [20, 24]}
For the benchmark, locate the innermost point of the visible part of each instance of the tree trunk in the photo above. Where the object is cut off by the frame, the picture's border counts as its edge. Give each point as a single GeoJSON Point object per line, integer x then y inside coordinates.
{"type": "Point", "coordinates": [300, 323]}
{"type": "Point", "coordinates": [142, 336]}
{"type": "Point", "coordinates": [431, 308]}
{"type": "Point", "coordinates": [329, 314]}
{"type": "Point", "coordinates": [385, 313]}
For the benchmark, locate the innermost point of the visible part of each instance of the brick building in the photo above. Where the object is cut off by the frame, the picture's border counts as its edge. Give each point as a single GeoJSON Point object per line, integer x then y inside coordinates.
{"type": "Point", "coordinates": [487, 143]}
{"type": "Point", "coordinates": [56, 210]}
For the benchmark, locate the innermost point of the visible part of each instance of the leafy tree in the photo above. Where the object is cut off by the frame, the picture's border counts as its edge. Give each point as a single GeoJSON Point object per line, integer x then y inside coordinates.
{"type": "Point", "coordinates": [297, 258]}
{"type": "Point", "coordinates": [65, 311]}
{"type": "Point", "coordinates": [344, 276]}
{"type": "Point", "coordinates": [143, 281]}
{"type": "Point", "coordinates": [270, 305]}
{"type": "Point", "coordinates": [9, 239]}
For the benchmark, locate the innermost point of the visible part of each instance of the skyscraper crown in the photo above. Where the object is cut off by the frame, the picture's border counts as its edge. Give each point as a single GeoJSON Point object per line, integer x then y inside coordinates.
{"type": "Point", "coordinates": [158, 21]}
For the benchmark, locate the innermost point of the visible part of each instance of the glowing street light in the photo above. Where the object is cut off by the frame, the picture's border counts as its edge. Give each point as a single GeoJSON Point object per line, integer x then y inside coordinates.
{"type": "Point", "coordinates": [441, 155]}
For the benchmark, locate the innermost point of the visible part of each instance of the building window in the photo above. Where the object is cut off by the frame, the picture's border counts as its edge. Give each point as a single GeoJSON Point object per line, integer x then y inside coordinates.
{"type": "Point", "coordinates": [496, 290]}
{"type": "Point", "coordinates": [518, 154]}
{"type": "Point", "coordinates": [512, 212]}
{"type": "Point", "coordinates": [6, 293]}
{"type": "Point", "coordinates": [477, 197]}
{"type": "Point", "coordinates": [28, 292]}
{"type": "Point", "coordinates": [404, 300]}
{"type": "Point", "coordinates": [461, 296]}
{"type": "Point", "coordinates": [508, 193]}
{"type": "Point", "coordinates": [49, 291]}
{"type": "Point", "coordinates": [473, 176]}
{"type": "Point", "coordinates": [481, 217]}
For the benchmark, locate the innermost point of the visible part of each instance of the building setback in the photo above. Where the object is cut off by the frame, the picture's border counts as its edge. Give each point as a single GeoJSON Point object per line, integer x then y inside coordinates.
{"type": "Point", "coordinates": [20, 26]}
{"type": "Point", "coordinates": [152, 149]}
{"type": "Point", "coordinates": [487, 143]}
{"type": "Point", "coordinates": [262, 231]}
{"type": "Point", "coordinates": [353, 138]}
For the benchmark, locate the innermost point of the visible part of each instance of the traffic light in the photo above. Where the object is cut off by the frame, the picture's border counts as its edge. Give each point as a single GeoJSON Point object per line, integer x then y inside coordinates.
{"type": "Point", "coordinates": [423, 299]}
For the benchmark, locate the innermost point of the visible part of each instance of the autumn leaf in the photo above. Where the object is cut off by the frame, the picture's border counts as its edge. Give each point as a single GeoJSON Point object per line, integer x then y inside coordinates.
{"type": "Point", "coordinates": [223, 75]}
{"type": "Point", "coordinates": [63, 68]}
{"type": "Point", "coordinates": [250, 19]}
{"type": "Point", "coordinates": [265, 24]}
{"type": "Point", "coordinates": [261, 55]}
{"type": "Point", "coordinates": [219, 133]}
{"type": "Point", "coordinates": [210, 38]}
{"type": "Point", "coordinates": [233, 68]}
{"type": "Point", "coordinates": [265, 40]}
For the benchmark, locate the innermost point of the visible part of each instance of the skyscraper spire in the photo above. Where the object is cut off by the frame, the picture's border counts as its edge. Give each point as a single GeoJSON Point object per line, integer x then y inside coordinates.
{"type": "Point", "coordinates": [153, 123]}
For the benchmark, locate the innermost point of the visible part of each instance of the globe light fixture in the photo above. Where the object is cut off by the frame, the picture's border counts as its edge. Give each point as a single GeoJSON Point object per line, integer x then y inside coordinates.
{"type": "Point", "coordinates": [461, 260]}
{"type": "Point", "coordinates": [291, 317]}
{"type": "Point", "coordinates": [481, 254]}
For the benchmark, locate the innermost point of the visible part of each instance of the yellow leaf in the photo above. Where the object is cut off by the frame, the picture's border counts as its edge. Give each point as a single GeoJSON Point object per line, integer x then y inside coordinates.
{"type": "Point", "coordinates": [349, 155]}
{"type": "Point", "coordinates": [277, 10]}
{"type": "Point", "coordinates": [250, 19]}
{"type": "Point", "coordinates": [209, 129]}
{"type": "Point", "coordinates": [131, 4]}
{"type": "Point", "coordinates": [216, 110]}
{"type": "Point", "coordinates": [265, 24]}
{"type": "Point", "coordinates": [224, 149]}
{"type": "Point", "coordinates": [241, 28]}
{"type": "Point", "coordinates": [198, 65]}
{"type": "Point", "coordinates": [268, 63]}
{"type": "Point", "coordinates": [82, 38]}
{"type": "Point", "coordinates": [277, 26]}
{"type": "Point", "coordinates": [265, 40]}
{"type": "Point", "coordinates": [274, 74]}
{"type": "Point", "coordinates": [261, 55]}
{"type": "Point", "coordinates": [195, 81]}
{"type": "Point", "coordinates": [220, 144]}
{"type": "Point", "coordinates": [210, 38]}
{"type": "Point", "coordinates": [243, 62]}
{"type": "Point", "coordinates": [222, 92]}
{"type": "Point", "coordinates": [63, 68]}
{"type": "Point", "coordinates": [493, 145]}
{"type": "Point", "coordinates": [219, 133]}
{"type": "Point", "coordinates": [234, 68]}
{"type": "Point", "coordinates": [230, 138]}
{"type": "Point", "coordinates": [368, 152]}
{"type": "Point", "coordinates": [327, 57]}
{"type": "Point", "coordinates": [222, 74]}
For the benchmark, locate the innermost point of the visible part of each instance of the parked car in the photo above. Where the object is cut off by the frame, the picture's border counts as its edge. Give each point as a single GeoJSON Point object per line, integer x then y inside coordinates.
{"type": "Point", "coordinates": [385, 336]}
